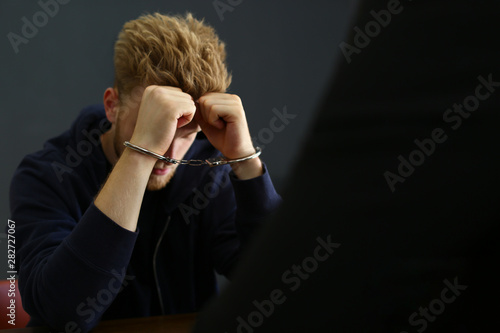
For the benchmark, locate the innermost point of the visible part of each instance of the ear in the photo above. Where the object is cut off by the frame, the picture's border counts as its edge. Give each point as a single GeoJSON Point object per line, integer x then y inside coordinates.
{"type": "Point", "coordinates": [111, 102]}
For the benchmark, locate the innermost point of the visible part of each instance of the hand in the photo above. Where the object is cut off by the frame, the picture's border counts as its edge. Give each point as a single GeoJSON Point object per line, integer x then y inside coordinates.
{"type": "Point", "coordinates": [163, 109]}
{"type": "Point", "coordinates": [222, 118]}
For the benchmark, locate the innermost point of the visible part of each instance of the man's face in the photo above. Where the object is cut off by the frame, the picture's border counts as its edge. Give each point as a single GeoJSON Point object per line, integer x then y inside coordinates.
{"type": "Point", "coordinates": [183, 139]}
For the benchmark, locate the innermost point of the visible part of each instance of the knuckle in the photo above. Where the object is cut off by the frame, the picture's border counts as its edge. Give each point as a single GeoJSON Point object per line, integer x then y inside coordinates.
{"type": "Point", "coordinates": [152, 91]}
{"type": "Point", "coordinates": [151, 88]}
{"type": "Point", "coordinates": [235, 98]}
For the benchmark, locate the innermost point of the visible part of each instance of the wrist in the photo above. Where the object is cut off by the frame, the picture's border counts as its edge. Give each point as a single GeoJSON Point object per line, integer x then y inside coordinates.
{"type": "Point", "coordinates": [158, 146]}
{"type": "Point", "coordinates": [138, 159]}
{"type": "Point", "coordinates": [248, 169]}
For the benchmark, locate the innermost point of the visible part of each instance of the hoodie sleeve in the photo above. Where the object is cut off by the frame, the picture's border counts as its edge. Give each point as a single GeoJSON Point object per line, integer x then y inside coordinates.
{"type": "Point", "coordinates": [256, 199]}
{"type": "Point", "coordinates": [71, 262]}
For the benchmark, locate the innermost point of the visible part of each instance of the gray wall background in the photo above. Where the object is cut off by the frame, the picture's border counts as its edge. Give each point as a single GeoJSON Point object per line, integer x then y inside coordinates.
{"type": "Point", "coordinates": [281, 54]}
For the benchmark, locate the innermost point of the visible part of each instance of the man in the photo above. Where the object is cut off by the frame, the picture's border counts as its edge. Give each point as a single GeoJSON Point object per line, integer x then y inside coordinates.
{"type": "Point", "coordinates": [110, 231]}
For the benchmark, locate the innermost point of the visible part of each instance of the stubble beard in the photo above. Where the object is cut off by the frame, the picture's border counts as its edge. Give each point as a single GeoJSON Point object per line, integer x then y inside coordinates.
{"type": "Point", "coordinates": [156, 183]}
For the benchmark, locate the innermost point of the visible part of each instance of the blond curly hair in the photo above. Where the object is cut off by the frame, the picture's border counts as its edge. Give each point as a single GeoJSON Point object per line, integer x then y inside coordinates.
{"type": "Point", "coordinates": [170, 50]}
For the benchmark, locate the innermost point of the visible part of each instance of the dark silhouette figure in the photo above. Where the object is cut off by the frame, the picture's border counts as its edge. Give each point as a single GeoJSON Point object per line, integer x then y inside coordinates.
{"type": "Point", "coordinates": [390, 221]}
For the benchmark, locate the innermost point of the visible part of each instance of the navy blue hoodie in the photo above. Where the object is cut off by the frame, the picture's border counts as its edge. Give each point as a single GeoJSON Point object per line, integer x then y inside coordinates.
{"type": "Point", "coordinates": [76, 266]}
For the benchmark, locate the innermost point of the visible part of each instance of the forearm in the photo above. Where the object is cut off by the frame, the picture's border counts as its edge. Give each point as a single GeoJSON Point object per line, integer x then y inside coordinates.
{"type": "Point", "coordinates": [121, 196]}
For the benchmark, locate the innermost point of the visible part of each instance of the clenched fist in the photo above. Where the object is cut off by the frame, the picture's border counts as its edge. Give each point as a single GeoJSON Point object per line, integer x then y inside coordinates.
{"type": "Point", "coordinates": [163, 109]}
{"type": "Point", "coordinates": [222, 118]}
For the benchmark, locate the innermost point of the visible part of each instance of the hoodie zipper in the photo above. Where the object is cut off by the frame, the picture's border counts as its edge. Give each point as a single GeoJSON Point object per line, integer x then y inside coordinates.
{"type": "Point", "coordinates": [155, 271]}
